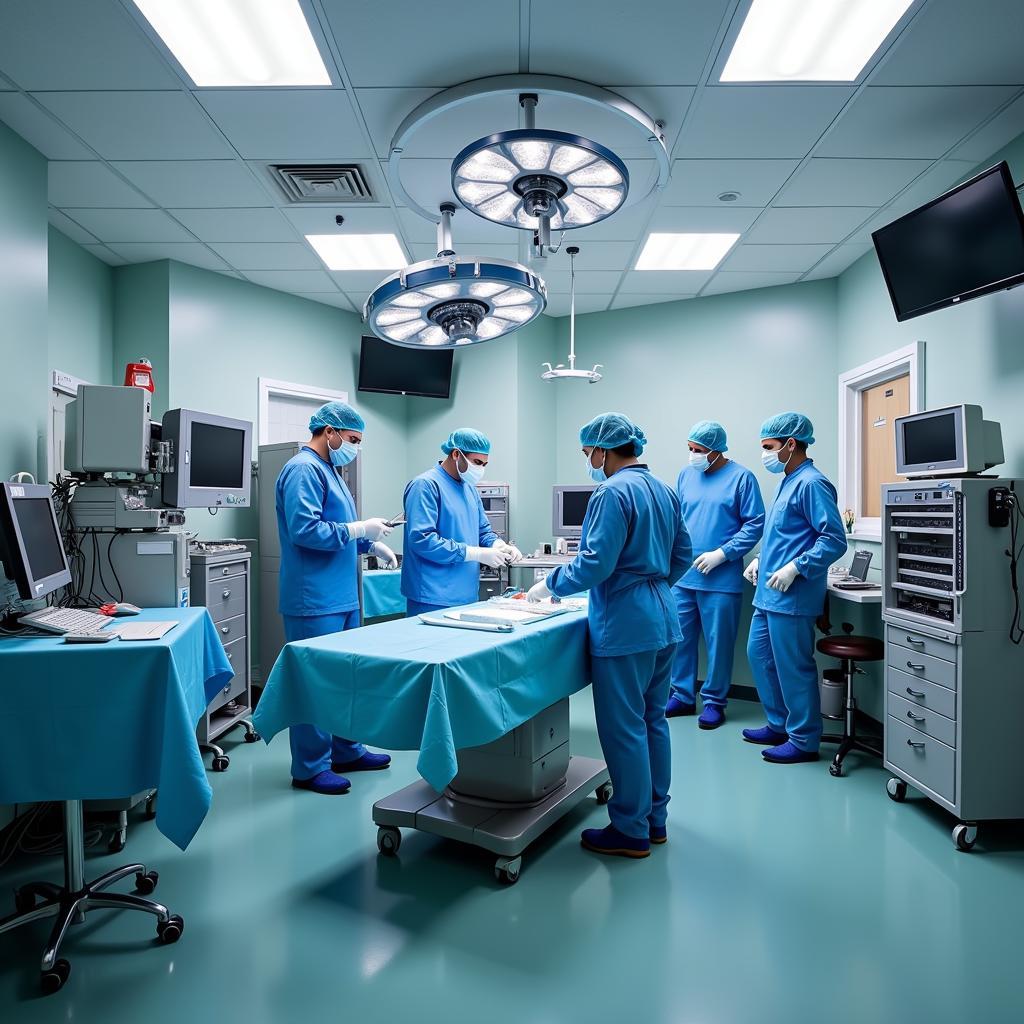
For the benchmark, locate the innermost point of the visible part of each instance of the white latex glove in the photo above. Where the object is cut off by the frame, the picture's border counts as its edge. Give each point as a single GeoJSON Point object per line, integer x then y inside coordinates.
{"type": "Point", "coordinates": [514, 554]}
{"type": "Point", "coordinates": [538, 592]}
{"type": "Point", "coordinates": [783, 578]}
{"type": "Point", "coordinates": [384, 555]}
{"type": "Point", "coordinates": [750, 573]}
{"type": "Point", "coordinates": [371, 529]}
{"type": "Point", "coordinates": [709, 560]}
{"type": "Point", "coordinates": [492, 557]}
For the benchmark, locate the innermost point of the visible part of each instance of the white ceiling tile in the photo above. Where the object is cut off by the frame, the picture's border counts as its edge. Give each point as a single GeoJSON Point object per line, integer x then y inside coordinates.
{"type": "Point", "coordinates": [412, 43]}
{"type": "Point", "coordinates": [467, 229]}
{"type": "Point", "coordinates": [955, 43]}
{"type": "Point", "coordinates": [558, 305]}
{"type": "Point", "coordinates": [89, 183]}
{"type": "Point", "coordinates": [700, 182]}
{"type": "Point", "coordinates": [510, 251]}
{"type": "Point", "coordinates": [337, 299]}
{"type": "Point", "coordinates": [292, 280]}
{"type": "Point", "coordinates": [746, 121]}
{"type": "Point", "coordinates": [592, 256]}
{"type": "Point", "coordinates": [724, 217]}
{"type": "Point", "coordinates": [838, 260]}
{"type": "Point", "coordinates": [592, 282]}
{"type": "Point", "coordinates": [138, 125]}
{"type": "Point", "coordinates": [87, 44]}
{"type": "Point", "coordinates": [1003, 128]}
{"type": "Point", "coordinates": [194, 183]}
{"type": "Point", "coordinates": [740, 281]}
{"type": "Point", "coordinates": [629, 301]}
{"type": "Point", "coordinates": [775, 258]}
{"type": "Point", "coordinates": [836, 182]}
{"type": "Point", "coordinates": [357, 284]}
{"type": "Point", "coordinates": [101, 252]}
{"type": "Point", "coordinates": [808, 225]}
{"type": "Point", "coordinates": [626, 225]}
{"type": "Point", "coordinates": [247, 256]}
{"type": "Point", "coordinates": [130, 225]}
{"type": "Point", "coordinates": [664, 282]}
{"type": "Point", "coordinates": [606, 41]}
{"type": "Point", "coordinates": [318, 219]}
{"type": "Point", "coordinates": [236, 225]}
{"type": "Point", "coordinates": [915, 122]}
{"type": "Point", "coordinates": [384, 110]}
{"type": "Point", "coordinates": [63, 223]}
{"type": "Point", "coordinates": [184, 252]}
{"type": "Point", "coordinates": [38, 127]}
{"type": "Point", "coordinates": [287, 124]}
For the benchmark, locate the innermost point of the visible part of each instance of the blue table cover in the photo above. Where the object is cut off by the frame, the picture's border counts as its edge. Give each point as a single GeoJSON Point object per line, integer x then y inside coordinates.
{"type": "Point", "coordinates": [403, 685]}
{"type": "Point", "coordinates": [382, 593]}
{"type": "Point", "coordinates": [82, 722]}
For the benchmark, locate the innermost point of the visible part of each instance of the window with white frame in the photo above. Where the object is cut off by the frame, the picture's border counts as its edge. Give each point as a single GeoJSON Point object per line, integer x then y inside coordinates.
{"type": "Point", "coordinates": [870, 397]}
{"type": "Point", "coordinates": [285, 408]}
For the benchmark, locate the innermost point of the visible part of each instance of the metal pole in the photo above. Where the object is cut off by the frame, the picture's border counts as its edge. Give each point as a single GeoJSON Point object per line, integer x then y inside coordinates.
{"type": "Point", "coordinates": [444, 231]}
{"type": "Point", "coordinates": [572, 251]}
{"type": "Point", "coordinates": [528, 101]}
{"type": "Point", "coordinates": [74, 851]}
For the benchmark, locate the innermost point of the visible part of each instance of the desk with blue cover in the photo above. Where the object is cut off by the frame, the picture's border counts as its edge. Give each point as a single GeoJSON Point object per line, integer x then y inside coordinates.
{"type": "Point", "coordinates": [404, 685]}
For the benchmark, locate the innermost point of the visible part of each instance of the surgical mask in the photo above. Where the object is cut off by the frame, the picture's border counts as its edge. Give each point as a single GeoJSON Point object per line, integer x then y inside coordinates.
{"type": "Point", "coordinates": [597, 473]}
{"type": "Point", "coordinates": [344, 454]}
{"type": "Point", "coordinates": [699, 461]}
{"type": "Point", "coordinates": [772, 462]}
{"type": "Point", "coordinates": [473, 473]}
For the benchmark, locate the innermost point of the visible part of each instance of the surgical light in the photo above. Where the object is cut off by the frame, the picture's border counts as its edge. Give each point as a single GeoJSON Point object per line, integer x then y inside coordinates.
{"type": "Point", "coordinates": [561, 371]}
{"type": "Point", "coordinates": [358, 252]}
{"type": "Point", "coordinates": [454, 300]}
{"type": "Point", "coordinates": [810, 40]}
{"type": "Point", "coordinates": [671, 251]}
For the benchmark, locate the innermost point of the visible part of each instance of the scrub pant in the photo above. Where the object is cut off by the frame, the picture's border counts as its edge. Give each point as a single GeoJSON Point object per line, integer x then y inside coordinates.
{"type": "Point", "coordinates": [630, 693]}
{"type": "Point", "coordinates": [781, 652]}
{"type": "Point", "coordinates": [717, 616]}
{"type": "Point", "coordinates": [416, 608]}
{"type": "Point", "coordinates": [313, 750]}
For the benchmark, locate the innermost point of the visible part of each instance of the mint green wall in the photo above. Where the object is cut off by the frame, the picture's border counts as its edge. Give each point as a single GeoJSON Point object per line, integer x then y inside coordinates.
{"type": "Point", "coordinates": [141, 324]}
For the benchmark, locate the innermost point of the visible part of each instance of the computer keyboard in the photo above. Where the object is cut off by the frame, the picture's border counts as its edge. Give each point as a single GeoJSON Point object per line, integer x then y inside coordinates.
{"type": "Point", "coordinates": [65, 620]}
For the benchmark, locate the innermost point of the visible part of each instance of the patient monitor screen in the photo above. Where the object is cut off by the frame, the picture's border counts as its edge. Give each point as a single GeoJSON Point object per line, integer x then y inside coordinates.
{"type": "Point", "coordinates": [43, 549]}
{"type": "Point", "coordinates": [217, 456]}
{"type": "Point", "coordinates": [929, 440]}
{"type": "Point", "coordinates": [574, 507]}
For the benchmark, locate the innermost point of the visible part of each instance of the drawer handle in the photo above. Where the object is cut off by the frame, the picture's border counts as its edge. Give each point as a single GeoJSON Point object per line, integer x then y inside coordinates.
{"type": "Point", "coordinates": [915, 718]}
{"type": "Point", "coordinates": [225, 630]}
{"type": "Point", "coordinates": [224, 571]}
{"type": "Point", "coordinates": [227, 593]}
{"type": "Point", "coordinates": [911, 743]}
{"type": "Point", "coordinates": [916, 668]}
{"type": "Point", "coordinates": [916, 643]}
{"type": "Point", "coordinates": [231, 655]}
{"type": "Point", "coordinates": [914, 693]}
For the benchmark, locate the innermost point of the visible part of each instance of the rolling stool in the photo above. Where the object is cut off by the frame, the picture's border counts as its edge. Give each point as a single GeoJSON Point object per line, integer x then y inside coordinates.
{"type": "Point", "coordinates": [850, 650]}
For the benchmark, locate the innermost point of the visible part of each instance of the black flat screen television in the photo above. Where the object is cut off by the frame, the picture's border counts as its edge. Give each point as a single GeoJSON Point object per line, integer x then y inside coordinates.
{"type": "Point", "coordinates": [965, 244]}
{"type": "Point", "coordinates": [394, 370]}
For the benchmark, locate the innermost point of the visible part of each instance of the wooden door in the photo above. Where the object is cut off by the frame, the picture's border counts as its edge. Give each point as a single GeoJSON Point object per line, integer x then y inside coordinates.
{"type": "Point", "coordinates": [879, 408]}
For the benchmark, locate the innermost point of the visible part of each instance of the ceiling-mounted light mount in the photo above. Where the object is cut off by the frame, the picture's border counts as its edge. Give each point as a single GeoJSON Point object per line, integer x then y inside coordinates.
{"type": "Point", "coordinates": [562, 372]}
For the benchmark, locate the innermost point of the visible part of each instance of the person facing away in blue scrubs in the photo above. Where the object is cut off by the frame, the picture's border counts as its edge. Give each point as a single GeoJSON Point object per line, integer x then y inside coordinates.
{"type": "Point", "coordinates": [803, 536]}
{"type": "Point", "coordinates": [633, 547]}
{"type": "Point", "coordinates": [724, 515]}
{"type": "Point", "coordinates": [320, 543]}
{"type": "Point", "coordinates": [447, 535]}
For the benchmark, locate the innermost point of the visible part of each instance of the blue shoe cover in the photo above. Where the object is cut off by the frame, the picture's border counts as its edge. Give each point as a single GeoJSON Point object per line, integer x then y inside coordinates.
{"type": "Point", "coordinates": [766, 736]}
{"type": "Point", "coordinates": [659, 834]}
{"type": "Point", "coordinates": [367, 763]}
{"type": "Point", "coordinates": [788, 753]}
{"type": "Point", "coordinates": [611, 841]}
{"type": "Point", "coordinates": [677, 708]}
{"type": "Point", "coordinates": [328, 783]}
{"type": "Point", "coordinates": [711, 717]}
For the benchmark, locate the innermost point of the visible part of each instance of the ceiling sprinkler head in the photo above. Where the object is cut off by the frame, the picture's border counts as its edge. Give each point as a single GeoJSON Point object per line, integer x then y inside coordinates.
{"type": "Point", "coordinates": [728, 197]}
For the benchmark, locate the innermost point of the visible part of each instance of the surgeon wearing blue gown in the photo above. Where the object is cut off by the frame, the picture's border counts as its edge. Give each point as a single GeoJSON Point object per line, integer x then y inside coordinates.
{"type": "Point", "coordinates": [724, 515]}
{"type": "Point", "coordinates": [447, 534]}
{"type": "Point", "coordinates": [633, 547]}
{"type": "Point", "coordinates": [320, 543]}
{"type": "Point", "coordinates": [803, 536]}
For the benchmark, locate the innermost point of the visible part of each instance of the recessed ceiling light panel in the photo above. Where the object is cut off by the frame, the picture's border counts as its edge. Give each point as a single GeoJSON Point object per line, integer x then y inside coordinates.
{"type": "Point", "coordinates": [664, 251]}
{"type": "Point", "coordinates": [358, 252]}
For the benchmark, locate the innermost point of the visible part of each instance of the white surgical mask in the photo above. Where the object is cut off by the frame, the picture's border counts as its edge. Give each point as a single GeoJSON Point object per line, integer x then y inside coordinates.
{"type": "Point", "coordinates": [699, 461]}
{"type": "Point", "coordinates": [596, 473]}
{"type": "Point", "coordinates": [473, 473]}
{"type": "Point", "coordinates": [344, 454]}
{"type": "Point", "coordinates": [772, 462]}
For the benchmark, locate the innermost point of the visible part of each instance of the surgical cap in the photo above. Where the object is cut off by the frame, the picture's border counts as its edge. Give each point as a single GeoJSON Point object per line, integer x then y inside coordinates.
{"type": "Point", "coordinates": [611, 430]}
{"type": "Point", "coordinates": [337, 415]}
{"type": "Point", "coordinates": [709, 434]}
{"type": "Point", "coordinates": [466, 439]}
{"type": "Point", "coordinates": [789, 425]}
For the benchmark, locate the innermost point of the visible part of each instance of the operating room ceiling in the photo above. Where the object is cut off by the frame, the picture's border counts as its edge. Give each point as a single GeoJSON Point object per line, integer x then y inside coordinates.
{"type": "Point", "coordinates": [145, 167]}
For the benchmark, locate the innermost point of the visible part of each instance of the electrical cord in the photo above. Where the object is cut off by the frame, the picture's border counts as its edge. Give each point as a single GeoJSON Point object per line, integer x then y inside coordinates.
{"type": "Point", "coordinates": [25, 833]}
{"type": "Point", "coordinates": [110, 562]}
{"type": "Point", "coordinates": [1014, 553]}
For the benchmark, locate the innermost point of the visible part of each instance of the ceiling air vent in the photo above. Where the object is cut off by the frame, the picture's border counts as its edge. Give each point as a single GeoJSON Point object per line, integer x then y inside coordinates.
{"type": "Point", "coordinates": [323, 183]}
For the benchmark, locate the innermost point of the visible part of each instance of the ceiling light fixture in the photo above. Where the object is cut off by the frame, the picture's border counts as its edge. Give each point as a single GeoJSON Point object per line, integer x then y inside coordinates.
{"type": "Point", "coordinates": [810, 40]}
{"type": "Point", "coordinates": [237, 42]}
{"type": "Point", "coordinates": [454, 300]}
{"type": "Point", "coordinates": [358, 252]}
{"type": "Point", "coordinates": [684, 251]}
{"type": "Point", "coordinates": [561, 371]}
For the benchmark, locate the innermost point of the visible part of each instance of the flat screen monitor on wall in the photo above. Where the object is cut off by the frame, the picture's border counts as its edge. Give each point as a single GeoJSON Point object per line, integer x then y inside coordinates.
{"type": "Point", "coordinates": [394, 370]}
{"type": "Point", "coordinates": [963, 245]}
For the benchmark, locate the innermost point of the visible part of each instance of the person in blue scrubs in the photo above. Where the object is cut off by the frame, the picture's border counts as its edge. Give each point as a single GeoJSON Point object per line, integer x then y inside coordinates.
{"type": "Point", "coordinates": [320, 544]}
{"type": "Point", "coordinates": [633, 547]}
{"type": "Point", "coordinates": [724, 515]}
{"type": "Point", "coordinates": [447, 534]}
{"type": "Point", "coordinates": [803, 536]}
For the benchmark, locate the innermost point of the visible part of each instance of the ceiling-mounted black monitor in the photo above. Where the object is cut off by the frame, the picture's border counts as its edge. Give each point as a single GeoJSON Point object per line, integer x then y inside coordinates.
{"type": "Point", "coordinates": [965, 244]}
{"type": "Point", "coordinates": [395, 370]}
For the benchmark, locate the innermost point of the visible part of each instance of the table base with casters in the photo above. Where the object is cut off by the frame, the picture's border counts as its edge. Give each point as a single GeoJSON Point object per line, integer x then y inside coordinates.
{"type": "Point", "coordinates": [69, 904]}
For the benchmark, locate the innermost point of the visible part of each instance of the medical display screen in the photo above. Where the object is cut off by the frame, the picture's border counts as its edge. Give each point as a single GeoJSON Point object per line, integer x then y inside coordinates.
{"type": "Point", "coordinates": [44, 551]}
{"type": "Point", "coordinates": [394, 370]}
{"type": "Point", "coordinates": [929, 440]}
{"type": "Point", "coordinates": [574, 507]}
{"type": "Point", "coordinates": [217, 456]}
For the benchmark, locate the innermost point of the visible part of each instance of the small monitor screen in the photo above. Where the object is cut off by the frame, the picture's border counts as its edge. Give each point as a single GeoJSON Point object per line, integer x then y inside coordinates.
{"type": "Point", "coordinates": [218, 457]}
{"type": "Point", "coordinates": [929, 440]}
{"type": "Point", "coordinates": [43, 548]}
{"type": "Point", "coordinates": [574, 507]}
{"type": "Point", "coordinates": [391, 369]}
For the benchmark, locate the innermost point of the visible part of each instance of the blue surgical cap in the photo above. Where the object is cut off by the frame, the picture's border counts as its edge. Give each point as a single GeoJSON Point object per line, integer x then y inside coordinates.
{"type": "Point", "coordinates": [610, 430]}
{"type": "Point", "coordinates": [789, 425]}
{"type": "Point", "coordinates": [466, 439]}
{"type": "Point", "coordinates": [709, 434]}
{"type": "Point", "coordinates": [337, 415]}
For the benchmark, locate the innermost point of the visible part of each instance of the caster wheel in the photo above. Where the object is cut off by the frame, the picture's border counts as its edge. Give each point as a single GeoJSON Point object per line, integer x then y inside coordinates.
{"type": "Point", "coordinates": [388, 840]}
{"type": "Point", "coordinates": [220, 764]}
{"type": "Point", "coordinates": [24, 901]}
{"type": "Point", "coordinates": [55, 978]}
{"type": "Point", "coordinates": [897, 790]}
{"type": "Point", "coordinates": [145, 882]}
{"type": "Point", "coordinates": [965, 836]}
{"type": "Point", "coordinates": [506, 870]}
{"type": "Point", "coordinates": [835, 770]}
{"type": "Point", "coordinates": [170, 930]}
{"type": "Point", "coordinates": [252, 737]}
{"type": "Point", "coordinates": [604, 793]}
{"type": "Point", "coordinates": [117, 842]}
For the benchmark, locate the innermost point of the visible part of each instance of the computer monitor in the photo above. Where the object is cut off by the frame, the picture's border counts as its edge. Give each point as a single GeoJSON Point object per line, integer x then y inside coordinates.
{"type": "Point", "coordinates": [568, 507]}
{"type": "Point", "coordinates": [955, 441]}
{"type": "Point", "coordinates": [30, 545]}
{"type": "Point", "coordinates": [211, 460]}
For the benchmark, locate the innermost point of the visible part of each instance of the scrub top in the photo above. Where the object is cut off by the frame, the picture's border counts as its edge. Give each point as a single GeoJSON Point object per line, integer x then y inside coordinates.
{"type": "Point", "coordinates": [803, 526]}
{"type": "Point", "coordinates": [633, 547]}
{"type": "Point", "coordinates": [443, 516]}
{"type": "Point", "coordinates": [318, 556]}
{"type": "Point", "coordinates": [723, 510]}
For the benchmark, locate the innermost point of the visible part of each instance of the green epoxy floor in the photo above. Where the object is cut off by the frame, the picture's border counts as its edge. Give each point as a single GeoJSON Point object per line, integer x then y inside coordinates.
{"type": "Point", "coordinates": [783, 895]}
